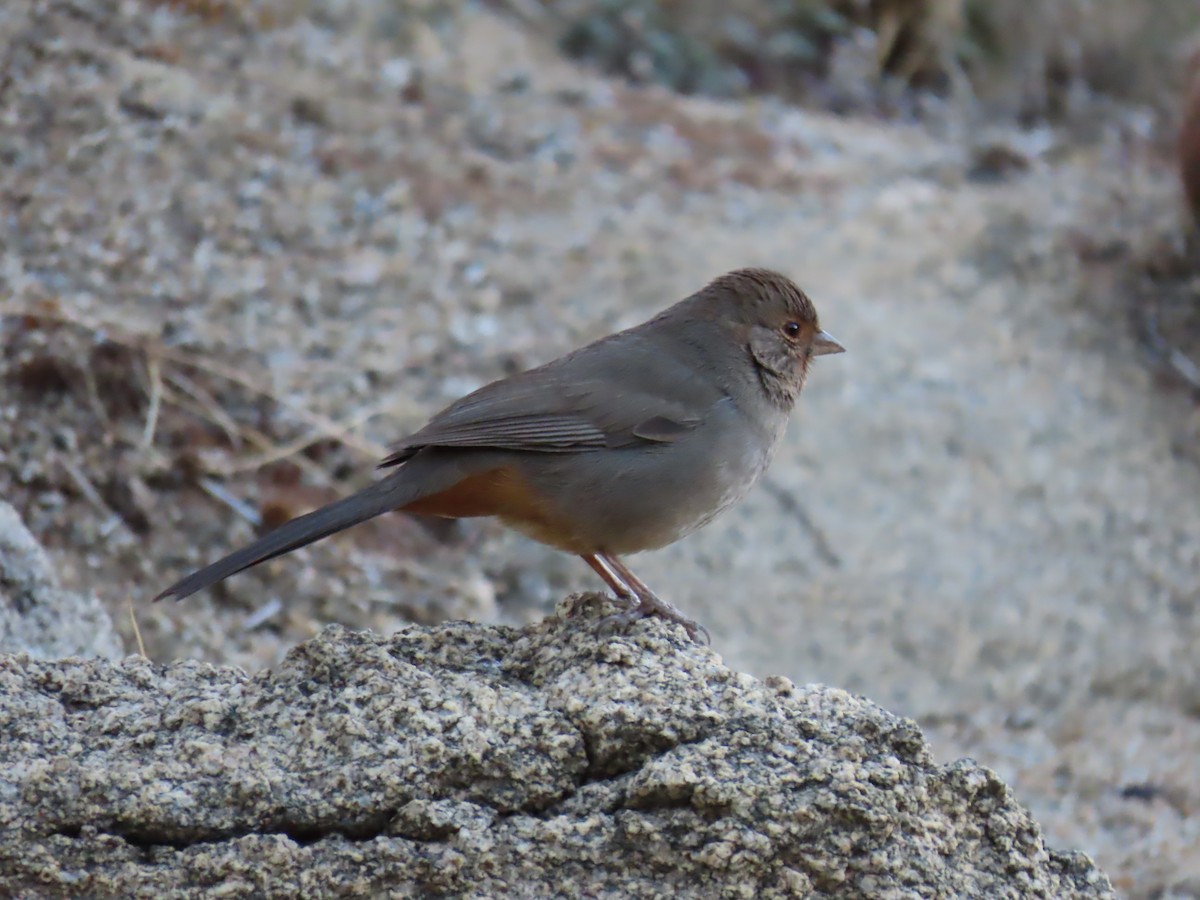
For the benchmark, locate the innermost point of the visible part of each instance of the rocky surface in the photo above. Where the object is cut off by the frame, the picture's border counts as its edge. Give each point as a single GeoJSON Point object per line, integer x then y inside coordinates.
{"type": "Point", "coordinates": [555, 760]}
{"type": "Point", "coordinates": [37, 617]}
{"type": "Point", "coordinates": [246, 245]}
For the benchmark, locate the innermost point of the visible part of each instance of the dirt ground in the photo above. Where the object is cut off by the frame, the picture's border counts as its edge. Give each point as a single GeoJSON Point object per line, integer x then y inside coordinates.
{"type": "Point", "coordinates": [237, 258]}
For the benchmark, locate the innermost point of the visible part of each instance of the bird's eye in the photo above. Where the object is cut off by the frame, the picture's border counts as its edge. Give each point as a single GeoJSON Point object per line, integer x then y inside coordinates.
{"type": "Point", "coordinates": [792, 329]}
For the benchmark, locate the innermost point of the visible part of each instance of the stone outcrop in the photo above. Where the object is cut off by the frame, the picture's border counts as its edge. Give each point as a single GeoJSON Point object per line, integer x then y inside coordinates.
{"type": "Point", "coordinates": [470, 760]}
{"type": "Point", "coordinates": [36, 615]}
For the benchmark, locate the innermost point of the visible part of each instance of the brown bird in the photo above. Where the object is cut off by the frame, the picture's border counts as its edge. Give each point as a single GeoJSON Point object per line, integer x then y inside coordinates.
{"type": "Point", "coordinates": [624, 445]}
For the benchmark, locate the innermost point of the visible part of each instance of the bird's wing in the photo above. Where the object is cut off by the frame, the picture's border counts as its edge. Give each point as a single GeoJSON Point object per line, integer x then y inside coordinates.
{"type": "Point", "coordinates": [589, 400]}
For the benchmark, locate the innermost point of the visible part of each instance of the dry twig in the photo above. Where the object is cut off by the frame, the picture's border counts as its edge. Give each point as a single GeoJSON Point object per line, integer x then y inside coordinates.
{"type": "Point", "coordinates": [1147, 310]}
{"type": "Point", "coordinates": [791, 504]}
{"type": "Point", "coordinates": [205, 405]}
{"type": "Point", "coordinates": [112, 519]}
{"type": "Point", "coordinates": [155, 378]}
{"type": "Point", "coordinates": [137, 632]}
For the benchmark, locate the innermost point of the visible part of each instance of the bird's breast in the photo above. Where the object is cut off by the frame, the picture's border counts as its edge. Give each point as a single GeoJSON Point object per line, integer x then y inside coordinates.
{"type": "Point", "coordinates": [647, 496]}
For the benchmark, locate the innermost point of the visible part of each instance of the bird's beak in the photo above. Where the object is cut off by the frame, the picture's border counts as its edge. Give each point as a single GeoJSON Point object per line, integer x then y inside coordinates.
{"type": "Point", "coordinates": [824, 343]}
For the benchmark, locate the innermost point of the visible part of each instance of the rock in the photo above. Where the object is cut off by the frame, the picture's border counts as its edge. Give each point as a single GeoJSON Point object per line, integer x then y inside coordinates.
{"type": "Point", "coordinates": [154, 90]}
{"type": "Point", "coordinates": [465, 760]}
{"type": "Point", "coordinates": [37, 617]}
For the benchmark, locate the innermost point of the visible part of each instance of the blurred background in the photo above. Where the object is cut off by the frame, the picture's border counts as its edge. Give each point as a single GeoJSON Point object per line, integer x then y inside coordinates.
{"type": "Point", "coordinates": [245, 245]}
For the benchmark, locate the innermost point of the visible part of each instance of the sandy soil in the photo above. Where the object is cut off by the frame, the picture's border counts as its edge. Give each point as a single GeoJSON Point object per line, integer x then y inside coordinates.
{"type": "Point", "coordinates": [280, 230]}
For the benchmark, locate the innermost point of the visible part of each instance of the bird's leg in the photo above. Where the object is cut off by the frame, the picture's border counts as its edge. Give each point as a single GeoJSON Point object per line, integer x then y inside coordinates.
{"type": "Point", "coordinates": [623, 592]}
{"type": "Point", "coordinates": [649, 603]}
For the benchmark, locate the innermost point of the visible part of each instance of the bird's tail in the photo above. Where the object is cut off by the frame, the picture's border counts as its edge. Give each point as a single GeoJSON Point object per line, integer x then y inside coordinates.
{"type": "Point", "coordinates": [383, 496]}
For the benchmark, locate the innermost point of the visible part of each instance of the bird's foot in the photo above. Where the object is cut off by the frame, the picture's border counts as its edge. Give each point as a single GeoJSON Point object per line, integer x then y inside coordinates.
{"type": "Point", "coordinates": [651, 605]}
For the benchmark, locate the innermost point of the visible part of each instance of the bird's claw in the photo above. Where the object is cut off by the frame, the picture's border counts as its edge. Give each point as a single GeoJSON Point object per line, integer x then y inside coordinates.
{"type": "Point", "coordinates": [643, 608]}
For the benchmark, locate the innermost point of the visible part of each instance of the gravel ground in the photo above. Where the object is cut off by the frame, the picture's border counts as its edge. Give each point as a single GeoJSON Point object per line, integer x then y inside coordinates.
{"type": "Point", "coordinates": [234, 236]}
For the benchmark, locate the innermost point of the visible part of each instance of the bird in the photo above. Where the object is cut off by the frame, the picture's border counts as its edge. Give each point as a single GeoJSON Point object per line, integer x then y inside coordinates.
{"type": "Point", "coordinates": [627, 444]}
